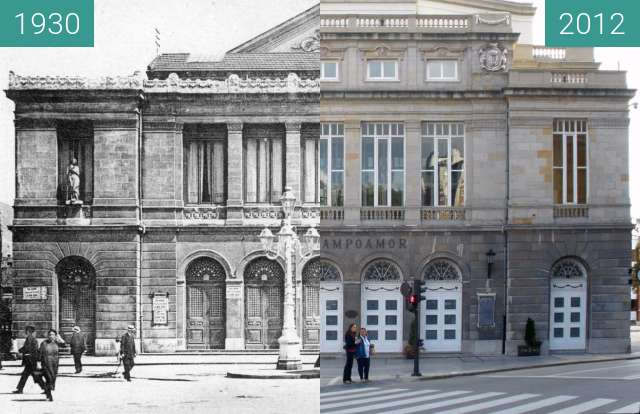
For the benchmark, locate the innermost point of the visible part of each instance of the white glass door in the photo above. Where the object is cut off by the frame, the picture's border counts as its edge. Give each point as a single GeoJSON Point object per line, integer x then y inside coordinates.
{"type": "Point", "coordinates": [568, 315]}
{"type": "Point", "coordinates": [331, 318]}
{"type": "Point", "coordinates": [441, 318]}
{"type": "Point", "coordinates": [382, 316]}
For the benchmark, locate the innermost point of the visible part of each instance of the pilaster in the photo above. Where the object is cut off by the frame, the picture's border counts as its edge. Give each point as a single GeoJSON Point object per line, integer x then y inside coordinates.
{"type": "Point", "coordinates": [235, 177]}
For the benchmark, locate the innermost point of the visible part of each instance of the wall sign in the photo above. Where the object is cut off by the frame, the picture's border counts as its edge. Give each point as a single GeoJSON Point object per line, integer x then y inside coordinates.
{"type": "Point", "coordinates": [234, 292]}
{"type": "Point", "coordinates": [160, 309]}
{"type": "Point", "coordinates": [486, 311]}
{"type": "Point", "coordinates": [34, 293]}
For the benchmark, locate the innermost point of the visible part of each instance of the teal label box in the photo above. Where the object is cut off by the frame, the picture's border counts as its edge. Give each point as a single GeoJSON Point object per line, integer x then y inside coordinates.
{"type": "Point", "coordinates": [592, 23]}
{"type": "Point", "coordinates": [46, 23]}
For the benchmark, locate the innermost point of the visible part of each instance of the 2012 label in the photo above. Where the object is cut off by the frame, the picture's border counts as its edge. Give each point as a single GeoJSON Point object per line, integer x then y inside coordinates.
{"type": "Point", "coordinates": [582, 24]}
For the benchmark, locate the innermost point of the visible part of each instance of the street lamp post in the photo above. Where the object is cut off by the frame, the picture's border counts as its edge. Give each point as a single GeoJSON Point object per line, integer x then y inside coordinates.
{"type": "Point", "coordinates": [288, 246]}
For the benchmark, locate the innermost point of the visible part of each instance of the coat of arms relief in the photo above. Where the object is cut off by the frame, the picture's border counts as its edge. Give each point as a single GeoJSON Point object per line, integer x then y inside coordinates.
{"type": "Point", "coordinates": [493, 58]}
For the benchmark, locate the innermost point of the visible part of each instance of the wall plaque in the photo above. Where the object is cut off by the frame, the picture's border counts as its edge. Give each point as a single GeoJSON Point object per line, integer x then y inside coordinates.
{"type": "Point", "coordinates": [160, 309]}
{"type": "Point", "coordinates": [34, 292]}
{"type": "Point", "coordinates": [486, 311]}
{"type": "Point", "coordinates": [234, 292]}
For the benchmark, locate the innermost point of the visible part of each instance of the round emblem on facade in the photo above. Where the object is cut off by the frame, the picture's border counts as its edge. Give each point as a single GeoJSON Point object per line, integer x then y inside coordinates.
{"type": "Point", "coordinates": [493, 58]}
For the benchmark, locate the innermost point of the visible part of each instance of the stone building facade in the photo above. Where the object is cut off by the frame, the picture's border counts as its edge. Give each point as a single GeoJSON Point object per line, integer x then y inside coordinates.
{"type": "Point", "coordinates": [176, 174]}
{"type": "Point", "coordinates": [455, 151]}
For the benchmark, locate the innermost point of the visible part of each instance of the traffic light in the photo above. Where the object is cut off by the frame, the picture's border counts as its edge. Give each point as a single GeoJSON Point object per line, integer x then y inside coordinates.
{"type": "Point", "coordinates": [412, 303]}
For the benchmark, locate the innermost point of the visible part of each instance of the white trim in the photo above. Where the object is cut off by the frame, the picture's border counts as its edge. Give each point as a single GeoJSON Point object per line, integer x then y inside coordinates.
{"type": "Point", "coordinates": [383, 77]}
{"type": "Point", "coordinates": [322, 71]}
{"type": "Point", "coordinates": [442, 78]}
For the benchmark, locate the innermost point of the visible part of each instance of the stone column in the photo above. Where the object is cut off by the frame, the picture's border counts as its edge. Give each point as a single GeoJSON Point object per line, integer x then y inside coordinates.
{"type": "Point", "coordinates": [234, 173]}
{"type": "Point", "coordinates": [293, 160]}
{"type": "Point", "coordinates": [235, 315]}
{"type": "Point", "coordinates": [413, 186]}
{"type": "Point", "coordinates": [310, 170]}
{"type": "Point", "coordinates": [352, 190]}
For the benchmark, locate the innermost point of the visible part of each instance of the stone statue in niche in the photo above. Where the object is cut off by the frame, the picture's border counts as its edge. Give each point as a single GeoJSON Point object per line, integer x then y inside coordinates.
{"type": "Point", "coordinates": [73, 177]}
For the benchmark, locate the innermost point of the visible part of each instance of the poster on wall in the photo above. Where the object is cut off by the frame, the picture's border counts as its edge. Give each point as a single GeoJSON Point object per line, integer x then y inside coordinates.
{"type": "Point", "coordinates": [34, 293]}
{"type": "Point", "coordinates": [160, 309]}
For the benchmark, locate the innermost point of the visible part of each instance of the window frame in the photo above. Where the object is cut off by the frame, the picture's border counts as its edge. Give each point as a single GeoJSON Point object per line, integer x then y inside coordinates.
{"type": "Point", "coordinates": [436, 179]}
{"type": "Point", "coordinates": [382, 77]}
{"type": "Point", "coordinates": [456, 77]}
{"type": "Point", "coordinates": [322, 71]}
{"type": "Point", "coordinates": [569, 129]}
{"type": "Point", "coordinates": [329, 140]}
{"type": "Point", "coordinates": [390, 170]}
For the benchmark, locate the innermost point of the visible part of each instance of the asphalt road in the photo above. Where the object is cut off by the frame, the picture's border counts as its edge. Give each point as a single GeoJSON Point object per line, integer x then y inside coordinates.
{"type": "Point", "coordinates": [611, 387]}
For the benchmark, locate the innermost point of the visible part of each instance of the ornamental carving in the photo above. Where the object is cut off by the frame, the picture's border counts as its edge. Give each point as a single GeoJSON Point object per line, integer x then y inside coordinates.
{"type": "Point", "coordinates": [205, 213]}
{"type": "Point", "coordinates": [263, 213]}
{"type": "Point", "coordinates": [205, 269]}
{"type": "Point", "coordinates": [493, 58]}
{"type": "Point", "coordinates": [568, 269]}
{"type": "Point", "coordinates": [17, 82]}
{"type": "Point", "coordinates": [309, 44]}
{"type": "Point", "coordinates": [264, 271]}
{"type": "Point", "coordinates": [382, 271]}
{"type": "Point", "coordinates": [320, 271]}
{"type": "Point", "coordinates": [506, 19]}
{"type": "Point", "coordinates": [234, 84]}
{"type": "Point", "coordinates": [75, 271]}
{"type": "Point", "coordinates": [441, 270]}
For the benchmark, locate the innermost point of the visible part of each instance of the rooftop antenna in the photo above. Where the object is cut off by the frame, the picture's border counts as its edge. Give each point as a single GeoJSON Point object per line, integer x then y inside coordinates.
{"type": "Point", "coordinates": [157, 35]}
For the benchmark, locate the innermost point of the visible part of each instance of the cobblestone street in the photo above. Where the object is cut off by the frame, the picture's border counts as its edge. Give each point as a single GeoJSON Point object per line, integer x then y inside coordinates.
{"type": "Point", "coordinates": [161, 389]}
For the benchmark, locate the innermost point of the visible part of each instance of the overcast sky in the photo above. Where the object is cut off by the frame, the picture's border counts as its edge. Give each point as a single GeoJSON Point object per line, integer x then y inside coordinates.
{"type": "Point", "coordinates": [124, 43]}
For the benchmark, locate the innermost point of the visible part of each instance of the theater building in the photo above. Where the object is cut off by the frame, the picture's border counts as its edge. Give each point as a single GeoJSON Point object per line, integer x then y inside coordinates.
{"type": "Point", "coordinates": [139, 199]}
{"type": "Point", "coordinates": [455, 151]}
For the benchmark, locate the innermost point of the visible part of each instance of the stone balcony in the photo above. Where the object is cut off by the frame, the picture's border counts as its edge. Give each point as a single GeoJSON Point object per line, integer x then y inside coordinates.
{"type": "Point", "coordinates": [488, 23]}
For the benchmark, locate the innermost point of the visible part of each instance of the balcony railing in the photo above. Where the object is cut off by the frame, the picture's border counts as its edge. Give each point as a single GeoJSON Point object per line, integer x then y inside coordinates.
{"type": "Point", "coordinates": [205, 213]}
{"type": "Point", "coordinates": [443, 214]}
{"type": "Point", "coordinates": [382, 214]}
{"type": "Point", "coordinates": [331, 213]}
{"type": "Point", "coordinates": [500, 22]}
{"type": "Point", "coordinates": [570, 211]}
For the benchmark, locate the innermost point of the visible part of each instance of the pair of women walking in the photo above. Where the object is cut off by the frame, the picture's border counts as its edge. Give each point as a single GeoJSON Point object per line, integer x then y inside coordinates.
{"type": "Point", "coordinates": [357, 346]}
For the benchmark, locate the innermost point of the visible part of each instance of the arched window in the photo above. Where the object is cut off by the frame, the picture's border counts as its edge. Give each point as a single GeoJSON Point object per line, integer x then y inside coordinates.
{"type": "Point", "coordinates": [568, 269]}
{"type": "Point", "coordinates": [382, 270]}
{"type": "Point", "coordinates": [442, 270]}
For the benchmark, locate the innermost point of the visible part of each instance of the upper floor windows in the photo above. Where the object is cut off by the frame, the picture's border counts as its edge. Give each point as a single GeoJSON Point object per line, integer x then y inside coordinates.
{"type": "Point", "coordinates": [205, 154]}
{"type": "Point", "coordinates": [75, 162]}
{"type": "Point", "coordinates": [570, 162]}
{"type": "Point", "coordinates": [382, 70]}
{"type": "Point", "coordinates": [442, 70]}
{"type": "Point", "coordinates": [382, 164]}
{"type": "Point", "coordinates": [329, 71]}
{"type": "Point", "coordinates": [264, 162]}
{"type": "Point", "coordinates": [332, 165]}
{"type": "Point", "coordinates": [442, 164]}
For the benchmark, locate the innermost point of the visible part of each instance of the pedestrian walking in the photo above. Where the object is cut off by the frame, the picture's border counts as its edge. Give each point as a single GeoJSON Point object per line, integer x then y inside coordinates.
{"type": "Point", "coordinates": [351, 342]}
{"type": "Point", "coordinates": [49, 360]}
{"type": "Point", "coordinates": [29, 353]}
{"type": "Point", "coordinates": [78, 345]}
{"type": "Point", "coordinates": [363, 355]}
{"type": "Point", "coordinates": [128, 351]}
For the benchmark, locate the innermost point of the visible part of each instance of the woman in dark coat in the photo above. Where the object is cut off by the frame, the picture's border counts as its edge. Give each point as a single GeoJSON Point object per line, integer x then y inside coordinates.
{"type": "Point", "coordinates": [49, 358]}
{"type": "Point", "coordinates": [350, 345]}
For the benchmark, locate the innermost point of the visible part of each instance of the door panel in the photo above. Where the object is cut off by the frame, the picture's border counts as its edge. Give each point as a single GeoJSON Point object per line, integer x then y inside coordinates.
{"type": "Point", "coordinates": [331, 319]}
{"type": "Point", "coordinates": [78, 307]}
{"type": "Point", "coordinates": [311, 316]}
{"type": "Point", "coordinates": [205, 316]}
{"type": "Point", "coordinates": [264, 316]}
{"type": "Point", "coordinates": [382, 317]}
{"type": "Point", "coordinates": [568, 316]}
{"type": "Point", "coordinates": [441, 319]}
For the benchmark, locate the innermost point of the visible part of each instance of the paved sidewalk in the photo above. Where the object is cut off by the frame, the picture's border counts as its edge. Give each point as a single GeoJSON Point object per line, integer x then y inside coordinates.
{"type": "Point", "coordinates": [397, 368]}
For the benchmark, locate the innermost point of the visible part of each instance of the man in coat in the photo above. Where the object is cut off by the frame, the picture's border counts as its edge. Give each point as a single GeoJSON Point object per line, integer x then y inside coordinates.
{"type": "Point", "coordinates": [78, 345]}
{"type": "Point", "coordinates": [49, 359]}
{"type": "Point", "coordinates": [29, 353]}
{"type": "Point", "coordinates": [128, 351]}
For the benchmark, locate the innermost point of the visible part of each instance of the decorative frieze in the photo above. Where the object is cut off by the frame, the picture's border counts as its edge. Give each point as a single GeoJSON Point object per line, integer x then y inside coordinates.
{"type": "Point", "coordinates": [17, 82]}
{"type": "Point", "coordinates": [234, 84]}
{"type": "Point", "coordinates": [205, 213]}
{"type": "Point", "coordinates": [263, 212]}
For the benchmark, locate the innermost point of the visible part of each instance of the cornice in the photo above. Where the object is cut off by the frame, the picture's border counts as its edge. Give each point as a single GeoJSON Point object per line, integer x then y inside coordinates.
{"type": "Point", "coordinates": [233, 85]}
{"type": "Point", "coordinates": [17, 82]}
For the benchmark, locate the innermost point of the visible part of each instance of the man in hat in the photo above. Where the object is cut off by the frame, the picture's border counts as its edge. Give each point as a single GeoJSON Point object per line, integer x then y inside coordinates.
{"type": "Point", "coordinates": [128, 351]}
{"type": "Point", "coordinates": [78, 345]}
{"type": "Point", "coordinates": [29, 353]}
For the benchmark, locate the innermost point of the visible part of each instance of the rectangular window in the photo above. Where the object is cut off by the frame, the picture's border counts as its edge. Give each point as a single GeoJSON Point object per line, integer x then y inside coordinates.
{"type": "Point", "coordinates": [570, 162]}
{"type": "Point", "coordinates": [382, 164]}
{"type": "Point", "coordinates": [329, 71]}
{"type": "Point", "coordinates": [75, 141]}
{"type": "Point", "coordinates": [263, 162]}
{"type": "Point", "coordinates": [442, 166]}
{"type": "Point", "coordinates": [442, 70]}
{"type": "Point", "coordinates": [382, 70]}
{"type": "Point", "coordinates": [205, 171]}
{"type": "Point", "coordinates": [331, 165]}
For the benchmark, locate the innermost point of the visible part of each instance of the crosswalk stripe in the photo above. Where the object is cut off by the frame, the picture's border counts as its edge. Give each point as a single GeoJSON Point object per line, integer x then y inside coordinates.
{"type": "Point", "coordinates": [350, 392]}
{"type": "Point", "coordinates": [525, 408]}
{"type": "Point", "coordinates": [365, 401]}
{"type": "Point", "coordinates": [366, 397]}
{"type": "Point", "coordinates": [439, 404]}
{"type": "Point", "coordinates": [629, 409]}
{"type": "Point", "coordinates": [489, 404]}
{"type": "Point", "coordinates": [381, 406]}
{"type": "Point", "coordinates": [586, 406]}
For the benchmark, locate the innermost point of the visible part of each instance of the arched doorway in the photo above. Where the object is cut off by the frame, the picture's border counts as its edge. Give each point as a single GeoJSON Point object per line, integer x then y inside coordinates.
{"type": "Point", "coordinates": [206, 304]}
{"type": "Point", "coordinates": [264, 298]}
{"type": "Point", "coordinates": [568, 307]}
{"type": "Point", "coordinates": [442, 308]}
{"type": "Point", "coordinates": [382, 305]}
{"type": "Point", "coordinates": [77, 298]}
{"type": "Point", "coordinates": [330, 307]}
{"type": "Point", "coordinates": [311, 304]}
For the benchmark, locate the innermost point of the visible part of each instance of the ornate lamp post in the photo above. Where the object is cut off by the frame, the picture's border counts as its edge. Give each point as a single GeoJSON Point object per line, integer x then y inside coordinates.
{"type": "Point", "coordinates": [288, 246]}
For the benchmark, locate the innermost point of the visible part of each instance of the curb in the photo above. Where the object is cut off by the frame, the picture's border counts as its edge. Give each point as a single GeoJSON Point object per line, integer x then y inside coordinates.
{"type": "Point", "coordinates": [308, 374]}
{"type": "Point", "coordinates": [138, 364]}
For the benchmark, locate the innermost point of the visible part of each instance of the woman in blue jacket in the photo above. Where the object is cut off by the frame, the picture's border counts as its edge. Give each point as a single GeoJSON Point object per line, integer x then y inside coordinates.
{"type": "Point", "coordinates": [363, 355]}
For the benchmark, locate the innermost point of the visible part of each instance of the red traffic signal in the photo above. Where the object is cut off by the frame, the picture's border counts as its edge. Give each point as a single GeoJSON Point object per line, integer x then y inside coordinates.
{"type": "Point", "coordinates": [412, 303]}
